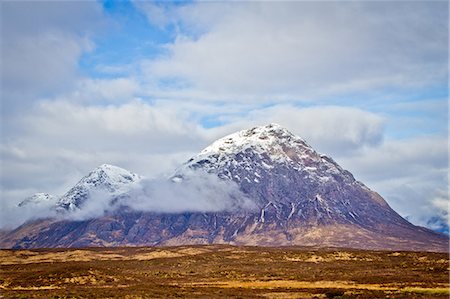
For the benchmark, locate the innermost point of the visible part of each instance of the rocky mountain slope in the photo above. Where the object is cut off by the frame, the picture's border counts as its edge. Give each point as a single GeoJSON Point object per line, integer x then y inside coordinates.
{"type": "Point", "coordinates": [300, 198]}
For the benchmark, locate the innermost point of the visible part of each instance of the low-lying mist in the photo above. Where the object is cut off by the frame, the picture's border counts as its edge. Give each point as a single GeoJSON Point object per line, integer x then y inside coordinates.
{"type": "Point", "coordinates": [194, 192]}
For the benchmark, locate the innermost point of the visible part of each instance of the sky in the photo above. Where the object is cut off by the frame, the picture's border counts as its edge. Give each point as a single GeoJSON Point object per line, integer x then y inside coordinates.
{"type": "Point", "coordinates": [146, 85]}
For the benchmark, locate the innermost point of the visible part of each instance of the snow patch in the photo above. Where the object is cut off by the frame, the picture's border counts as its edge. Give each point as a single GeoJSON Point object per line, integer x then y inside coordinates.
{"type": "Point", "coordinates": [292, 210]}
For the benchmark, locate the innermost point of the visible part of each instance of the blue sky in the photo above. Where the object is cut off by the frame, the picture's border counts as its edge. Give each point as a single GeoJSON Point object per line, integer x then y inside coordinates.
{"type": "Point", "coordinates": [128, 32]}
{"type": "Point", "coordinates": [145, 85]}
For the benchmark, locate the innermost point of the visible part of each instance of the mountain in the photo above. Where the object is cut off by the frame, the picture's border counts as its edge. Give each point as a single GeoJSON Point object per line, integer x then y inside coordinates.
{"type": "Point", "coordinates": [107, 179]}
{"type": "Point", "coordinates": [299, 197]}
{"type": "Point", "coordinates": [281, 172]}
{"type": "Point", "coordinates": [38, 199]}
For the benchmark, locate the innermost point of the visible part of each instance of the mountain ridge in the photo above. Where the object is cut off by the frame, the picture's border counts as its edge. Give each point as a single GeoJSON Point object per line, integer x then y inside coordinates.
{"type": "Point", "coordinates": [302, 198]}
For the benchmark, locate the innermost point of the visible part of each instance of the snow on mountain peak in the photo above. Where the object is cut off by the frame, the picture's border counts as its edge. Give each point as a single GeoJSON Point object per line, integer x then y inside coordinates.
{"type": "Point", "coordinates": [273, 142]}
{"type": "Point", "coordinates": [270, 138]}
{"type": "Point", "coordinates": [114, 174]}
{"type": "Point", "coordinates": [105, 178]}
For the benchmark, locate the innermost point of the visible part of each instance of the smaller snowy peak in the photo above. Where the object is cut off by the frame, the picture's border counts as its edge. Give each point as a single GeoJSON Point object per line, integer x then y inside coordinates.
{"type": "Point", "coordinates": [106, 178]}
{"type": "Point", "coordinates": [111, 175]}
{"type": "Point", "coordinates": [38, 199]}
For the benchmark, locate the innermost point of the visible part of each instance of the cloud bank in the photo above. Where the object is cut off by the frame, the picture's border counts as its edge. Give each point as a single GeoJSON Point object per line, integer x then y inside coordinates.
{"type": "Point", "coordinates": [263, 50]}
{"type": "Point", "coordinates": [197, 192]}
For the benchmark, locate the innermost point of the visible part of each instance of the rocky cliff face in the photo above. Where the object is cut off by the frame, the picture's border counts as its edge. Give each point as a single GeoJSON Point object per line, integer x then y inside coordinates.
{"type": "Point", "coordinates": [301, 198]}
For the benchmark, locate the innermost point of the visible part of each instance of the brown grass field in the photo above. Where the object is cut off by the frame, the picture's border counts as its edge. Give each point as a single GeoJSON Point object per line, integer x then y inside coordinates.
{"type": "Point", "coordinates": [220, 271]}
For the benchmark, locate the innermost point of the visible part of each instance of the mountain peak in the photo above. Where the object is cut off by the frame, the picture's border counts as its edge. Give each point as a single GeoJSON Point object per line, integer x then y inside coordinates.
{"type": "Point", "coordinates": [271, 128]}
{"type": "Point", "coordinates": [112, 171]}
{"type": "Point", "coordinates": [109, 168]}
{"type": "Point", "coordinates": [269, 138]}
{"type": "Point", "coordinates": [106, 166]}
{"type": "Point", "coordinates": [107, 178]}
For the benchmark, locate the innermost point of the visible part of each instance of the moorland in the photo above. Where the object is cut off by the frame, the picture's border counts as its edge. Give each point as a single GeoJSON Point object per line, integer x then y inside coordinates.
{"type": "Point", "coordinates": [222, 271]}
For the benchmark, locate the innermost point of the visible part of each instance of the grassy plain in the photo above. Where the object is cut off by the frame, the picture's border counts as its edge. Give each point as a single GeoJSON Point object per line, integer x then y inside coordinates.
{"type": "Point", "coordinates": [220, 271]}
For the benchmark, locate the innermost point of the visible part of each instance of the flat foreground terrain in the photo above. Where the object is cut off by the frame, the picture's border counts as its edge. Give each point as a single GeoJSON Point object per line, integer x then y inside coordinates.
{"type": "Point", "coordinates": [222, 271]}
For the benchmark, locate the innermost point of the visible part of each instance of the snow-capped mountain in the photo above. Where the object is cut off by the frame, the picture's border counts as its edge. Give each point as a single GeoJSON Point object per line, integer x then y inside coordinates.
{"type": "Point", "coordinates": [109, 179]}
{"type": "Point", "coordinates": [301, 198]}
{"type": "Point", "coordinates": [281, 172]}
{"type": "Point", "coordinates": [38, 199]}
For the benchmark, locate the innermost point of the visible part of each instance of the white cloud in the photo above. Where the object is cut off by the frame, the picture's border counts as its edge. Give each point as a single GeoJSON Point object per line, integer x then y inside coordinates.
{"type": "Point", "coordinates": [41, 62]}
{"type": "Point", "coordinates": [304, 49]}
{"type": "Point", "coordinates": [334, 130]}
{"type": "Point", "coordinates": [29, 18]}
{"type": "Point", "coordinates": [197, 192]}
{"type": "Point", "coordinates": [104, 90]}
{"type": "Point", "coordinates": [42, 43]}
{"type": "Point", "coordinates": [62, 120]}
{"type": "Point", "coordinates": [11, 216]}
{"type": "Point", "coordinates": [402, 158]}
{"type": "Point", "coordinates": [51, 147]}
{"type": "Point", "coordinates": [330, 129]}
{"type": "Point", "coordinates": [411, 174]}
{"type": "Point", "coordinates": [157, 14]}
